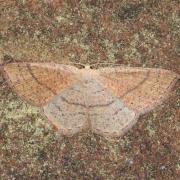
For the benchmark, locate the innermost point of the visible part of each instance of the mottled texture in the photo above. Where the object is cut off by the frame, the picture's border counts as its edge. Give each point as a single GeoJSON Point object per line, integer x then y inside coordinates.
{"type": "Point", "coordinates": [143, 33]}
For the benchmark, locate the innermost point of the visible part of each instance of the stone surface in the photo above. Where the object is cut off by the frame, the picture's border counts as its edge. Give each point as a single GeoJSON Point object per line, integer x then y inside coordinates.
{"type": "Point", "coordinates": [143, 33]}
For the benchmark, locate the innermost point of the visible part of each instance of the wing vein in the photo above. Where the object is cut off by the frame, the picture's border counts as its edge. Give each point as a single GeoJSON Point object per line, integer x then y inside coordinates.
{"type": "Point", "coordinates": [33, 76]}
{"type": "Point", "coordinates": [135, 87]}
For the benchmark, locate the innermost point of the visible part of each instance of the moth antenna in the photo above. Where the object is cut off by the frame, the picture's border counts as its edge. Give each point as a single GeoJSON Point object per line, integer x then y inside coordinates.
{"type": "Point", "coordinates": [77, 63]}
{"type": "Point", "coordinates": [81, 64]}
{"type": "Point", "coordinates": [106, 63]}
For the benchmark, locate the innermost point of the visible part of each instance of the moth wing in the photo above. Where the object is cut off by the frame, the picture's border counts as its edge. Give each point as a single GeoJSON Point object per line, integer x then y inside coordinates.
{"type": "Point", "coordinates": [68, 111]}
{"type": "Point", "coordinates": [141, 89]}
{"type": "Point", "coordinates": [108, 115]}
{"type": "Point", "coordinates": [38, 83]}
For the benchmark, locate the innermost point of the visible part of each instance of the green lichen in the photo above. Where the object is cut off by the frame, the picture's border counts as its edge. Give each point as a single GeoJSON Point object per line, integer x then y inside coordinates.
{"type": "Point", "coordinates": [89, 32]}
{"type": "Point", "coordinates": [174, 22]}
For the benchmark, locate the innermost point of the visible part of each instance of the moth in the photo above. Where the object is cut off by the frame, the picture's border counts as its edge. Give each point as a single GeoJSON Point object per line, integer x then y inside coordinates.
{"type": "Point", "coordinates": [108, 101]}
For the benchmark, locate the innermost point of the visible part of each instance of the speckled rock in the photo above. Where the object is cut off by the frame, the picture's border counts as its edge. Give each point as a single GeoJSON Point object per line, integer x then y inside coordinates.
{"type": "Point", "coordinates": [136, 33]}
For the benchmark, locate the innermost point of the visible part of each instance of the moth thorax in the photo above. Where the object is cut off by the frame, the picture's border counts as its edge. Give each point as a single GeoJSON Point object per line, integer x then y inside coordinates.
{"type": "Point", "coordinates": [87, 67]}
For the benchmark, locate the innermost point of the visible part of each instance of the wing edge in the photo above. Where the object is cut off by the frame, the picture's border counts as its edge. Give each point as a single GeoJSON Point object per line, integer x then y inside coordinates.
{"type": "Point", "coordinates": [9, 83]}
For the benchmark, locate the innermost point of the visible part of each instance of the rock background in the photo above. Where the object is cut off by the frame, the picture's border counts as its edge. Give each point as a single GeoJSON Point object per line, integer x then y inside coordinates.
{"type": "Point", "coordinates": [135, 33]}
